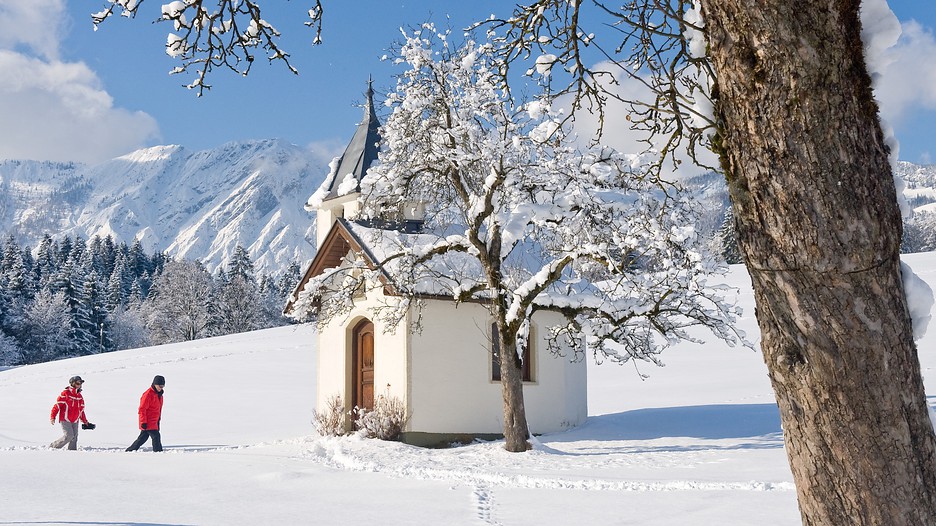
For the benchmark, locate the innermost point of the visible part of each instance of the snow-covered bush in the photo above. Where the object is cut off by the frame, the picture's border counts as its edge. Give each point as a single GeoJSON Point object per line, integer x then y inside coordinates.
{"type": "Point", "coordinates": [385, 421]}
{"type": "Point", "coordinates": [330, 422]}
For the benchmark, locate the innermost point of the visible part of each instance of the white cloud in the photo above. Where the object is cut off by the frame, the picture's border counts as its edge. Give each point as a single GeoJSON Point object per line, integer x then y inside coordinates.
{"type": "Point", "coordinates": [618, 132]}
{"type": "Point", "coordinates": [54, 110]}
{"type": "Point", "coordinates": [908, 74]}
{"type": "Point", "coordinates": [34, 24]}
{"type": "Point", "coordinates": [327, 150]}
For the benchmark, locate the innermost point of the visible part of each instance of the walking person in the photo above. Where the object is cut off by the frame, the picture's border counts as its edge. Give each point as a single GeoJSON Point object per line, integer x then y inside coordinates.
{"type": "Point", "coordinates": [150, 413]}
{"type": "Point", "coordinates": [69, 409]}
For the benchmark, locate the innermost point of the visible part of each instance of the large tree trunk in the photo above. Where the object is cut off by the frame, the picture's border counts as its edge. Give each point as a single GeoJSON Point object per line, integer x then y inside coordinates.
{"type": "Point", "coordinates": [819, 227]}
{"type": "Point", "coordinates": [516, 431]}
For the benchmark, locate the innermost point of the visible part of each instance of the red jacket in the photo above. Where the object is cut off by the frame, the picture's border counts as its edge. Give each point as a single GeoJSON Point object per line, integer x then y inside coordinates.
{"type": "Point", "coordinates": [151, 409]}
{"type": "Point", "coordinates": [69, 406]}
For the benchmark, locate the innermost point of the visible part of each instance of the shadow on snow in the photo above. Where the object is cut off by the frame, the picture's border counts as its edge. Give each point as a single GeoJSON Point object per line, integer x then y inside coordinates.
{"type": "Point", "coordinates": [759, 423]}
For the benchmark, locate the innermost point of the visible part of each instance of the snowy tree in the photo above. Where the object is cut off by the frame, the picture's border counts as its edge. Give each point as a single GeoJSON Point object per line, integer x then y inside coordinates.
{"type": "Point", "coordinates": [128, 329]}
{"type": "Point", "coordinates": [47, 328]}
{"type": "Point", "coordinates": [289, 279]}
{"type": "Point", "coordinates": [108, 255]}
{"type": "Point", "coordinates": [182, 304]}
{"type": "Point", "coordinates": [728, 239]}
{"type": "Point", "coordinates": [8, 317]}
{"type": "Point", "coordinates": [781, 93]}
{"type": "Point", "coordinates": [519, 218]}
{"type": "Point", "coordinates": [64, 249]}
{"type": "Point", "coordinates": [78, 248]}
{"type": "Point", "coordinates": [919, 233]}
{"type": "Point", "coordinates": [95, 303]}
{"type": "Point", "coordinates": [115, 296]}
{"type": "Point", "coordinates": [10, 352]}
{"type": "Point", "coordinates": [15, 276]}
{"type": "Point", "coordinates": [240, 264]}
{"type": "Point", "coordinates": [46, 261]}
{"type": "Point", "coordinates": [137, 260]}
{"type": "Point", "coordinates": [90, 326]}
{"type": "Point", "coordinates": [239, 304]}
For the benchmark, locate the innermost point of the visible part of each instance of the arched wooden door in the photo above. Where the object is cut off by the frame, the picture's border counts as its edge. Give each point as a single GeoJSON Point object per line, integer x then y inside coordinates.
{"type": "Point", "coordinates": [363, 364]}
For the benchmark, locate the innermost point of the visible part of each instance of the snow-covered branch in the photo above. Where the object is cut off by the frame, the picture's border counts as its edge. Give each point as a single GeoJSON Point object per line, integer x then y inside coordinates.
{"type": "Point", "coordinates": [656, 44]}
{"type": "Point", "coordinates": [208, 34]}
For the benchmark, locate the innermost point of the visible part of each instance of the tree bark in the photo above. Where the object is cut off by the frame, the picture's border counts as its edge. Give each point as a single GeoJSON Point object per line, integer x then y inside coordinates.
{"type": "Point", "coordinates": [819, 227]}
{"type": "Point", "coordinates": [516, 431]}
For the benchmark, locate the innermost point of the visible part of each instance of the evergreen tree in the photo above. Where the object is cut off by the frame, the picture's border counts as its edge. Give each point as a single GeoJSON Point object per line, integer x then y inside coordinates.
{"type": "Point", "coordinates": [108, 255]}
{"type": "Point", "coordinates": [729, 239]}
{"type": "Point", "coordinates": [98, 324]}
{"type": "Point", "coordinates": [96, 250]}
{"type": "Point", "coordinates": [289, 279]}
{"type": "Point", "coordinates": [7, 319]}
{"type": "Point", "coordinates": [117, 287]}
{"type": "Point", "coordinates": [29, 268]}
{"type": "Point", "coordinates": [11, 253]}
{"type": "Point", "coordinates": [46, 261]}
{"type": "Point", "coordinates": [78, 249]}
{"type": "Point", "coordinates": [135, 298]}
{"type": "Point", "coordinates": [240, 264]}
{"type": "Point", "coordinates": [137, 260]}
{"type": "Point", "coordinates": [64, 250]}
{"type": "Point", "coordinates": [14, 275]}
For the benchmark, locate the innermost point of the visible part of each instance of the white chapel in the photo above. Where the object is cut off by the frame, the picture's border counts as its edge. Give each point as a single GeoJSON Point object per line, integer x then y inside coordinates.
{"type": "Point", "coordinates": [446, 373]}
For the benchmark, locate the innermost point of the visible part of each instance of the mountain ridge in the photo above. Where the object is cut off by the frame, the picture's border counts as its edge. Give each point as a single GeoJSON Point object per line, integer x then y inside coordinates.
{"type": "Point", "coordinates": [202, 204]}
{"type": "Point", "coordinates": [188, 204]}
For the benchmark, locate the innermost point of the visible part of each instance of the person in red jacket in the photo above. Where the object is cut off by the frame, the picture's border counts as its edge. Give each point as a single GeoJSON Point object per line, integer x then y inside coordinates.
{"type": "Point", "coordinates": [69, 409]}
{"type": "Point", "coordinates": [150, 413]}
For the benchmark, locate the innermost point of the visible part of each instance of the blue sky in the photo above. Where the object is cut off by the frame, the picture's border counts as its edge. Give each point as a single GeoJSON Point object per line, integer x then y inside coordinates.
{"type": "Point", "coordinates": [72, 93]}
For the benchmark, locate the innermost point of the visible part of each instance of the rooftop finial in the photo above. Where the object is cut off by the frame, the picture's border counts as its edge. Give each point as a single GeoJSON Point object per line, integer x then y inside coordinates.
{"type": "Point", "coordinates": [369, 107]}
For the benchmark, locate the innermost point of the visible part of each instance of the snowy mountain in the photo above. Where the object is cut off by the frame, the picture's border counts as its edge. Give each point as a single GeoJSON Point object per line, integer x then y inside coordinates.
{"type": "Point", "coordinates": [919, 191]}
{"type": "Point", "coordinates": [187, 204]}
{"type": "Point", "coordinates": [200, 205]}
{"type": "Point", "coordinates": [920, 185]}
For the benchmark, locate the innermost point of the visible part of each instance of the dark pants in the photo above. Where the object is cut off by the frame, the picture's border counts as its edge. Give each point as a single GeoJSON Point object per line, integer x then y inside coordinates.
{"type": "Point", "coordinates": [144, 434]}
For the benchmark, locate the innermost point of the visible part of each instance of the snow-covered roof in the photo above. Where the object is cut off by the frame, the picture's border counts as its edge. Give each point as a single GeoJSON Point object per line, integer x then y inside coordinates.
{"type": "Point", "coordinates": [443, 275]}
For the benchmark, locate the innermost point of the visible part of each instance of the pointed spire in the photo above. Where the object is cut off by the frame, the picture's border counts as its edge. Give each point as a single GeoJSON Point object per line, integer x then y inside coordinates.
{"type": "Point", "coordinates": [361, 151]}
{"type": "Point", "coordinates": [369, 108]}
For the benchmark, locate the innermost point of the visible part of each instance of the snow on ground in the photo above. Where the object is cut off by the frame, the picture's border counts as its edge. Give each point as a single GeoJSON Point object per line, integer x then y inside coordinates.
{"type": "Point", "coordinates": [696, 443]}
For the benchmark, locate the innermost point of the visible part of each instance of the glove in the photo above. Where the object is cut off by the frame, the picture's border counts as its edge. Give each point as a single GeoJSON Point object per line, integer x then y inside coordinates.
{"type": "Point", "coordinates": [88, 426]}
{"type": "Point", "coordinates": [52, 421]}
{"type": "Point", "coordinates": [143, 427]}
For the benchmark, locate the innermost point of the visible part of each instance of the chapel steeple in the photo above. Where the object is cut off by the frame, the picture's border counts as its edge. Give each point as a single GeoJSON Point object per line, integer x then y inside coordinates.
{"type": "Point", "coordinates": [340, 199]}
{"type": "Point", "coordinates": [361, 151]}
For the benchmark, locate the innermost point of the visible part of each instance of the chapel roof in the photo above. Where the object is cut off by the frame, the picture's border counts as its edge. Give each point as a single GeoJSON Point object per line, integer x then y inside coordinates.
{"type": "Point", "coordinates": [360, 153]}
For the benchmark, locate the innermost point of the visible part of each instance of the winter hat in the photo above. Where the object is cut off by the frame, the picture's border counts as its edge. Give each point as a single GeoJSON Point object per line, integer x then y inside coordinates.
{"type": "Point", "coordinates": [159, 380]}
{"type": "Point", "coordinates": [75, 379]}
